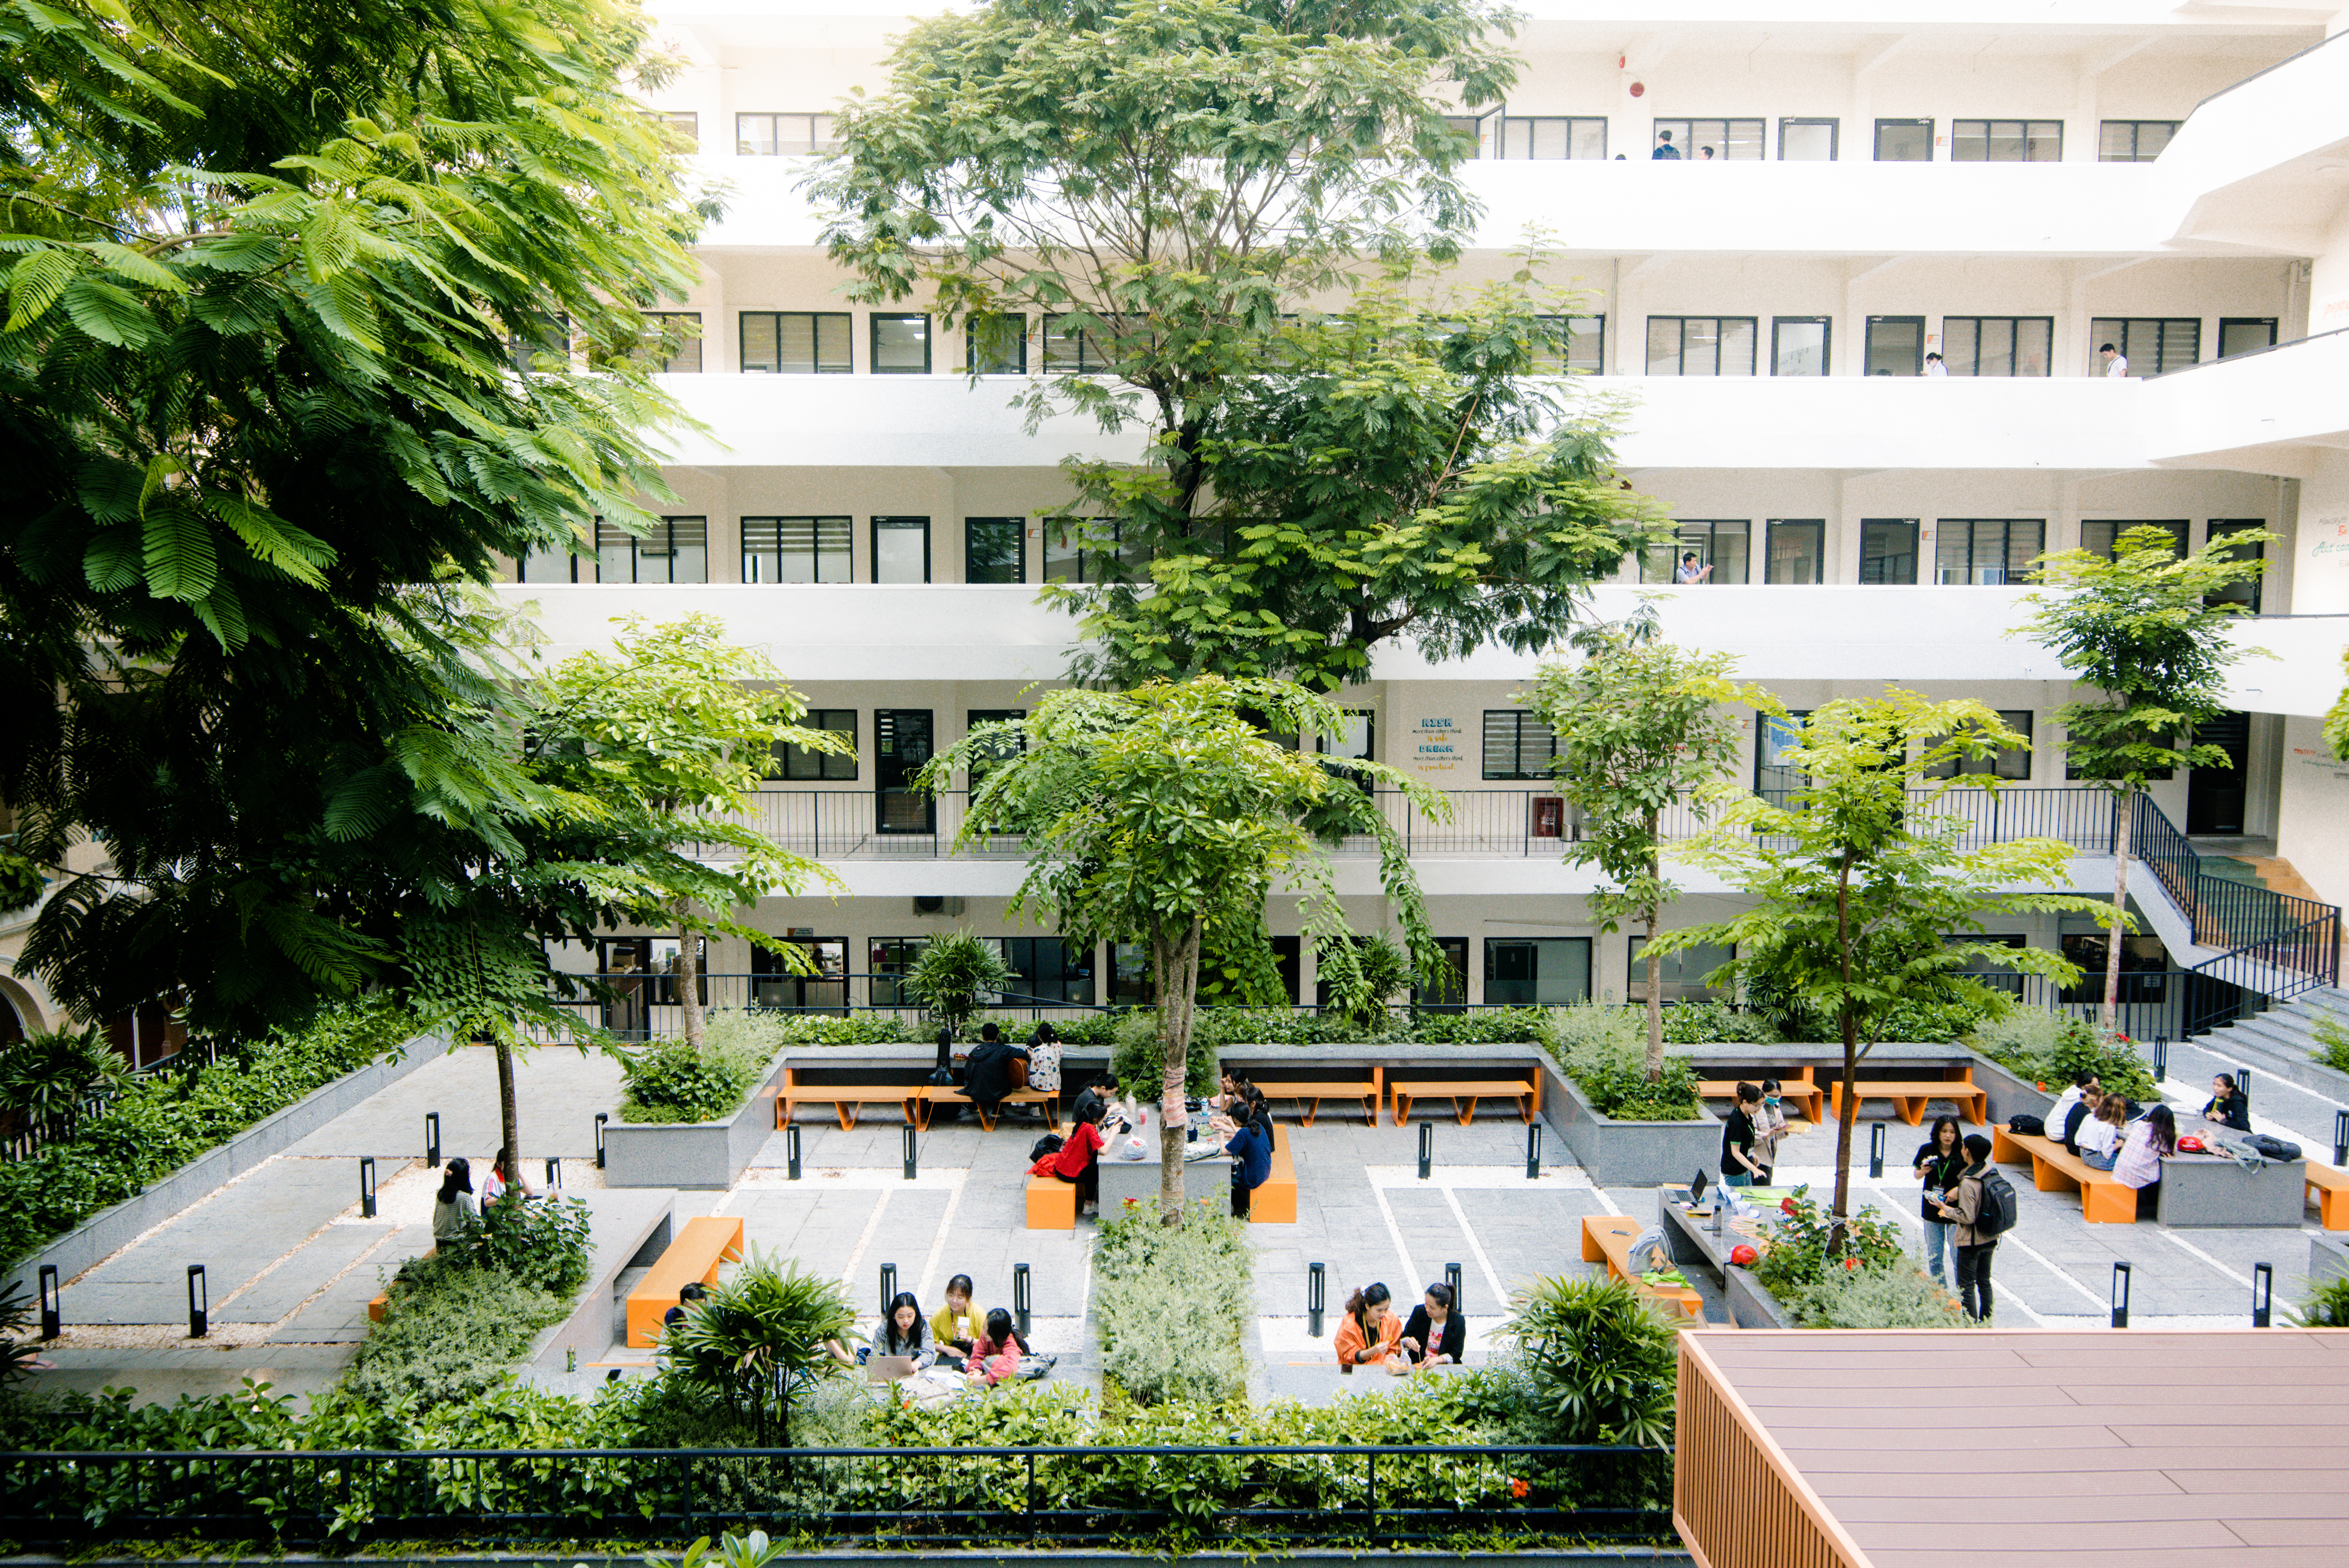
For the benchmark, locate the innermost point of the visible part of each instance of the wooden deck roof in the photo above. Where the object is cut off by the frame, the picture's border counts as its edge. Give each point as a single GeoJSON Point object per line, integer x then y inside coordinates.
{"type": "Point", "coordinates": [1937, 1449]}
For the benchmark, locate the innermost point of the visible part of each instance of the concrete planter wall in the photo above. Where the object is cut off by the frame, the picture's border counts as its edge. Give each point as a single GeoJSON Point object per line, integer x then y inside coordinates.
{"type": "Point", "coordinates": [2327, 1260]}
{"type": "Point", "coordinates": [1627, 1154]}
{"type": "Point", "coordinates": [2010, 1096]}
{"type": "Point", "coordinates": [1751, 1306]}
{"type": "Point", "coordinates": [695, 1156]}
{"type": "Point", "coordinates": [111, 1230]}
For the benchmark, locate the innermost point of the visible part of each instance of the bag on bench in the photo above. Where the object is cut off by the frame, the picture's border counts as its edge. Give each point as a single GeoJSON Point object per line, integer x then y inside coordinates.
{"type": "Point", "coordinates": [1048, 1144]}
{"type": "Point", "coordinates": [2275, 1149]}
{"type": "Point", "coordinates": [2028, 1126]}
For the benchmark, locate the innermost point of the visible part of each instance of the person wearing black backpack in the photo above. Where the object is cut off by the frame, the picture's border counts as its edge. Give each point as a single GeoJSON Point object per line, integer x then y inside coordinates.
{"type": "Point", "coordinates": [1981, 1206]}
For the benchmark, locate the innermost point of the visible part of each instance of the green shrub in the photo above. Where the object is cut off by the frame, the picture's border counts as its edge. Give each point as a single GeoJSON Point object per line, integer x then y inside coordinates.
{"type": "Point", "coordinates": [542, 1244]}
{"type": "Point", "coordinates": [2327, 1305]}
{"type": "Point", "coordinates": [1170, 1306]}
{"type": "Point", "coordinates": [2333, 1042]}
{"type": "Point", "coordinates": [2020, 1041]}
{"type": "Point", "coordinates": [1797, 1254]}
{"type": "Point", "coordinates": [671, 1081]}
{"type": "Point", "coordinates": [450, 1332]}
{"type": "Point", "coordinates": [1713, 1024]}
{"type": "Point", "coordinates": [1478, 1026]}
{"type": "Point", "coordinates": [2038, 1046]}
{"type": "Point", "coordinates": [953, 972]}
{"type": "Point", "coordinates": [1965, 1006]}
{"type": "Point", "coordinates": [759, 1337]}
{"type": "Point", "coordinates": [46, 1076]}
{"type": "Point", "coordinates": [1604, 1050]}
{"type": "Point", "coordinates": [1592, 1362]}
{"type": "Point", "coordinates": [1893, 1296]}
{"type": "Point", "coordinates": [1139, 1062]}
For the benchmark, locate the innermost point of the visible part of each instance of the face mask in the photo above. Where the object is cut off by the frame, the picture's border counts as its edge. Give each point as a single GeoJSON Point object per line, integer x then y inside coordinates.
{"type": "Point", "coordinates": [1770, 1100]}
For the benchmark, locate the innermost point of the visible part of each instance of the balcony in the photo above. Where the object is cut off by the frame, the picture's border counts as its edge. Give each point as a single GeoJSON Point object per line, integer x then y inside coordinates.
{"type": "Point", "coordinates": [2264, 164]}
{"type": "Point", "coordinates": [2278, 411]}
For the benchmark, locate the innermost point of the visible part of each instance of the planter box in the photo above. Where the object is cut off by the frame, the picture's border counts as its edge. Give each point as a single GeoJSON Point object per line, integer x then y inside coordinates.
{"type": "Point", "coordinates": [1688, 1241]}
{"type": "Point", "coordinates": [695, 1156]}
{"type": "Point", "coordinates": [2010, 1096]}
{"type": "Point", "coordinates": [625, 1229]}
{"type": "Point", "coordinates": [111, 1230]}
{"type": "Point", "coordinates": [2327, 1260]}
{"type": "Point", "coordinates": [1626, 1153]}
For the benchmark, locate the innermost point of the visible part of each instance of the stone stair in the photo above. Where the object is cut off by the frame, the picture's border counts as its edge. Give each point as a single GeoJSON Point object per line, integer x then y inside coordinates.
{"type": "Point", "coordinates": [2282, 1041]}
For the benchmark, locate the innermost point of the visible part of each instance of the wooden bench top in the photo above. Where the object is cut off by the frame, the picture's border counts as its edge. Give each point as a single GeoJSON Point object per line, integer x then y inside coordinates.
{"type": "Point", "coordinates": [1465, 1093]}
{"type": "Point", "coordinates": [846, 1099]}
{"type": "Point", "coordinates": [2330, 1186]}
{"type": "Point", "coordinates": [2105, 1198]}
{"type": "Point", "coordinates": [1912, 1095]}
{"type": "Point", "coordinates": [1311, 1092]}
{"type": "Point", "coordinates": [2331, 1177]}
{"type": "Point", "coordinates": [1609, 1237]}
{"type": "Point", "coordinates": [694, 1257]}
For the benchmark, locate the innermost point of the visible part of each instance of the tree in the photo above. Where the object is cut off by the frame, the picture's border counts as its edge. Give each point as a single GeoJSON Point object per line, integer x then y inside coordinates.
{"type": "Point", "coordinates": [1167, 815]}
{"type": "Point", "coordinates": [262, 405]}
{"type": "Point", "coordinates": [1641, 728]}
{"type": "Point", "coordinates": [953, 972]}
{"type": "Point", "coordinates": [1863, 901]}
{"type": "Point", "coordinates": [2143, 632]}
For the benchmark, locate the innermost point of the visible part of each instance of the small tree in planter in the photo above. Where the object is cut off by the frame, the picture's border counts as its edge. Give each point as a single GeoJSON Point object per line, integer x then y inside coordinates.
{"type": "Point", "coordinates": [951, 974]}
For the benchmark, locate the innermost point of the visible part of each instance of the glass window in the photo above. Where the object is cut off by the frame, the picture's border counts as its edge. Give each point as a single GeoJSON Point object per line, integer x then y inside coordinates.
{"type": "Point", "coordinates": [1795, 552]}
{"type": "Point", "coordinates": [1540, 971]}
{"type": "Point", "coordinates": [797, 550]}
{"type": "Point", "coordinates": [2247, 595]}
{"type": "Point", "coordinates": [801, 763]}
{"type": "Point", "coordinates": [1895, 345]}
{"type": "Point", "coordinates": [900, 343]}
{"type": "Point", "coordinates": [775, 984]}
{"type": "Point", "coordinates": [672, 341]}
{"type": "Point", "coordinates": [682, 123]}
{"type": "Point", "coordinates": [2006, 141]}
{"type": "Point", "coordinates": [1904, 141]}
{"type": "Point", "coordinates": [1997, 345]}
{"type": "Point", "coordinates": [783, 135]}
{"type": "Point", "coordinates": [1552, 136]}
{"type": "Point", "coordinates": [1131, 984]}
{"type": "Point", "coordinates": [1772, 741]}
{"type": "Point", "coordinates": [1808, 140]}
{"type": "Point", "coordinates": [1075, 552]}
{"type": "Point", "coordinates": [555, 566]}
{"type": "Point", "coordinates": [2151, 344]}
{"type": "Point", "coordinates": [1700, 551]}
{"type": "Point", "coordinates": [1046, 970]}
{"type": "Point", "coordinates": [999, 751]}
{"type": "Point", "coordinates": [2245, 334]}
{"type": "Point", "coordinates": [1887, 551]}
{"type": "Point", "coordinates": [901, 550]}
{"type": "Point", "coordinates": [1986, 552]}
{"type": "Point", "coordinates": [995, 550]}
{"type": "Point", "coordinates": [2096, 537]}
{"type": "Point", "coordinates": [1580, 345]}
{"type": "Point", "coordinates": [888, 960]}
{"type": "Point", "coordinates": [1448, 992]}
{"type": "Point", "coordinates": [1071, 348]}
{"type": "Point", "coordinates": [2134, 140]}
{"type": "Point", "coordinates": [1715, 140]}
{"type": "Point", "coordinates": [1518, 745]}
{"type": "Point", "coordinates": [2007, 762]}
{"type": "Point", "coordinates": [1470, 129]}
{"type": "Point", "coordinates": [673, 550]}
{"type": "Point", "coordinates": [1700, 345]}
{"type": "Point", "coordinates": [1680, 976]}
{"type": "Point", "coordinates": [1798, 345]}
{"type": "Point", "coordinates": [796, 342]}
{"type": "Point", "coordinates": [997, 344]}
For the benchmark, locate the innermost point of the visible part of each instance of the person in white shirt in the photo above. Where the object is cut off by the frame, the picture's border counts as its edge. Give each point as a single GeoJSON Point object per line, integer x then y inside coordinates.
{"type": "Point", "coordinates": [2116, 362]}
{"type": "Point", "coordinates": [2099, 1138]}
{"type": "Point", "coordinates": [1936, 365]}
{"type": "Point", "coordinates": [2065, 1102]}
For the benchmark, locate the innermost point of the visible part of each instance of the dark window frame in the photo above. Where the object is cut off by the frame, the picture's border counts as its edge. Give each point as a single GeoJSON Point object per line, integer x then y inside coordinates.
{"type": "Point", "coordinates": [2181, 533]}
{"type": "Point", "coordinates": [873, 321]}
{"type": "Point", "coordinates": [970, 343]}
{"type": "Point", "coordinates": [1883, 123]}
{"type": "Point", "coordinates": [2100, 331]}
{"type": "Point", "coordinates": [1825, 324]}
{"type": "Point", "coordinates": [1816, 527]}
{"type": "Point", "coordinates": [1590, 960]}
{"type": "Point", "coordinates": [2269, 322]}
{"type": "Point", "coordinates": [1765, 725]}
{"type": "Point", "coordinates": [845, 533]}
{"type": "Point", "coordinates": [2014, 325]}
{"type": "Point", "coordinates": [609, 536]}
{"type": "Point", "coordinates": [972, 719]}
{"type": "Point", "coordinates": [1508, 121]}
{"type": "Point", "coordinates": [898, 524]}
{"type": "Point", "coordinates": [1565, 363]}
{"type": "Point", "coordinates": [797, 764]}
{"type": "Point", "coordinates": [1513, 727]}
{"type": "Point", "coordinates": [1834, 136]}
{"type": "Point", "coordinates": [1090, 361]}
{"type": "Point", "coordinates": [685, 122]}
{"type": "Point", "coordinates": [1867, 344]}
{"type": "Point", "coordinates": [970, 526]}
{"type": "Point", "coordinates": [2006, 546]}
{"type": "Point", "coordinates": [1685, 136]}
{"type": "Point", "coordinates": [2246, 594]}
{"type": "Point", "coordinates": [1709, 546]}
{"type": "Point", "coordinates": [2030, 133]}
{"type": "Point", "coordinates": [1720, 325]}
{"type": "Point", "coordinates": [669, 366]}
{"type": "Point", "coordinates": [815, 335]}
{"type": "Point", "coordinates": [817, 145]}
{"type": "Point", "coordinates": [2009, 764]}
{"type": "Point", "coordinates": [1915, 554]}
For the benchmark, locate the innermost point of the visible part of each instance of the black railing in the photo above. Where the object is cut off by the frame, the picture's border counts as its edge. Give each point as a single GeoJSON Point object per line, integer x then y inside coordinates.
{"type": "Point", "coordinates": [22, 1143]}
{"type": "Point", "coordinates": [1262, 1496]}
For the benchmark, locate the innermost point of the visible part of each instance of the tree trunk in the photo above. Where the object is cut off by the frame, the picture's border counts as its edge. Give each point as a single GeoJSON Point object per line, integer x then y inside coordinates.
{"type": "Point", "coordinates": [688, 975]}
{"type": "Point", "coordinates": [1849, 1020]}
{"type": "Point", "coordinates": [1176, 957]}
{"type": "Point", "coordinates": [2128, 812]}
{"type": "Point", "coordinates": [1655, 959]}
{"type": "Point", "coordinates": [509, 1122]}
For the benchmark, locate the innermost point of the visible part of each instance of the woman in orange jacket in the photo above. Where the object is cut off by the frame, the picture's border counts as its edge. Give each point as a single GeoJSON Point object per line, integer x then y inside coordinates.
{"type": "Point", "coordinates": [1368, 1331]}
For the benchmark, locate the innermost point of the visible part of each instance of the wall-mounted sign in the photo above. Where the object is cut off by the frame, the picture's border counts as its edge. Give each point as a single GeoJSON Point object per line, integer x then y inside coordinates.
{"type": "Point", "coordinates": [1435, 746]}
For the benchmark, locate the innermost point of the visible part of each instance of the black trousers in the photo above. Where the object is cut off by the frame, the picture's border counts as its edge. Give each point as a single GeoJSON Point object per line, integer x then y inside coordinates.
{"type": "Point", "coordinates": [1240, 1196]}
{"type": "Point", "coordinates": [1973, 1280]}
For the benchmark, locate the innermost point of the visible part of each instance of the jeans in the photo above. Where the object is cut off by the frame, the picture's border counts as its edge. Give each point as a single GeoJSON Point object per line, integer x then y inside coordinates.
{"type": "Point", "coordinates": [1937, 1248]}
{"type": "Point", "coordinates": [1743, 1179]}
{"type": "Point", "coordinates": [1973, 1280]}
{"type": "Point", "coordinates": [2097, 1162]}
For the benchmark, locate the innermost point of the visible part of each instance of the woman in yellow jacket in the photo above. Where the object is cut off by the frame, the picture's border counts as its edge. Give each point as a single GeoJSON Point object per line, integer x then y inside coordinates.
{"type": "Point", "coordinates": [1367, 1332]}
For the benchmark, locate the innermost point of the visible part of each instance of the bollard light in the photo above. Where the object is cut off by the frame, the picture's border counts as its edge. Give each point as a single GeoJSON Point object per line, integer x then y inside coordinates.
{"type": "Point", "coordinates": [1316, 1284]}
{"type": "Point", "coordinates": [1876, 1151]}
{"type": "Point", "coordinates": [1533, 1152]}
{"type": "Point", "coordinates": [2160, 1058]}
{"type": "Point", "coordinates": [553, 1171]}
{"type": "Point", "coordinates": [366, 1186]}
{"type": "Point", "coordinates": [2244, 1084]}
{"type": "Point", "coordinates": [2341, 1137]}
{"type": "Point", "coordinates": [601, 1118]}
{"type": "Point", "coordinates": [432, 1139]}
{"type": "Point", "coordinates": [1020, 1298]}
{"type": "Point", "coordinates": [200, 1302]}
{"type": "Point", "coordinates": [2263, 1285]}
{"type": "Point", "coordinates": [52, 1303]}
{"type": "Point", "coordinates": [1426, 1150]}
{"type": "Point", "coordinates": [912, 1152]}
{"type": "Point", "coordinates": [1452, 1281]}
{"type": "Point", "coordinates": [791, 1152]}
{"type": "Point", "coordinates": [2120, 1295]}
{"type": "Point", "coordinates": [888, 1290]}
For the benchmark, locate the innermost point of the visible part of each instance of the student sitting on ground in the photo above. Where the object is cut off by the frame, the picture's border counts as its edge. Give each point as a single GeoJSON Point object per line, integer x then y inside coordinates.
{"type": "Point", "coordinates": [903, 1333]}
{"type": "Point", "coordinates": [1368, 1334]}
{"type": "Point", "coordinates": [995, 1355]}
{"type": "Point", "coordinates": [957, 1326]}
{"type": "Point", "coordinates": [1436, 1335]}
{"type": "Point", "coordinates": [456, 1204]}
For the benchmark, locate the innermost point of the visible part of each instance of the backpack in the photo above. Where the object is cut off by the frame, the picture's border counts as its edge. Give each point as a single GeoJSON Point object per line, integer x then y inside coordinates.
{"type": "Point", "coordinates": [2275, 1149]}
{"type": "Point", "coordinates": [1998, 1211]}
{"type": "Point", "coordinates": [2028, 1126]}
{"type": "Point", "coordinates": [1047, 1145]}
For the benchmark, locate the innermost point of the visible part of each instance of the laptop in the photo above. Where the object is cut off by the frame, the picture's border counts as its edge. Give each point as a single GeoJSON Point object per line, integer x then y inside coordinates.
{"type": "Point", "coordinates": [887, 1368]}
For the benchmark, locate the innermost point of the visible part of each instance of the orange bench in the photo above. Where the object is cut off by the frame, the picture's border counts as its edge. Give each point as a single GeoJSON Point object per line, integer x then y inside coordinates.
{"type": "Point", "coordinates": [846, 1098]}
{"type": "Point", "coordinates": [1275, 1203]}
{"type": "Point", "coordinates": [379, 1306]}
{"type": "Point", "coordinates": [1310, 1096]}
{"type": "Point", "coordinates": [1526, 1092]}
{"type": "Point", "coordinates": [693, 1257]}
{"type": "Point", "coordinates": [1910, 1096]}
{"type": "Point", "coordinates": [932, 1095]}
{"type": "Point", "coordinates": [2105, 1198]}
{"type": "Point", "coordinates": [1802, 1091]}
{"type": "Point", "coordinates": [2328, 1188]}
{"type": "Point", "coordinates": [1609, 1237]}
{"type": "Point", "coordinates": [1051, 1204]}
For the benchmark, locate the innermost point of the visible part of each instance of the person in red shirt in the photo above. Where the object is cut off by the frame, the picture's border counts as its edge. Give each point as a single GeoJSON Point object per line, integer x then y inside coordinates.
{"type": "Point", "coordinates": [995, 1355]}
{"type": "Point", "coordinates": [1079, 1159]}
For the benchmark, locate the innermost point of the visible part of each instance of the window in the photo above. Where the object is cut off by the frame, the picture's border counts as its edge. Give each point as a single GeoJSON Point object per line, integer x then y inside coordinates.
{"type": "Point", "coordinates": [1986, 551]}
{"type": "Point", "coordinates": [651, 964]}
{"type": "Point", "coordinates": [674, 550]}
{"type": "Point", "coordinates": [1071, 349]}
{"type": "Point", "coordinates": [2151, 344]}
{"type": "Point", "coordinates": [1774, 737]}
{"type": "Point", "coordinates": [1700, 345]}
{"type": "Point", "coordinates": [1359, 739]}
{"type": "Point", "coordinates": [1071, 554]}
{"type": "Point", "coordinates": [672, 341]}
{"type": "Point", "coordinates": [1904, 141]}
{"type": "Point", "coordinates": [1046, 970]}
{"type": "Point", "coordinates": [775, 985]}
{"type": "Point", "coordinates": [1795, 552]}
{"type": "Point", "coordinates": [2245, 334]}
{"type": "Point", "coordinates": [901, 550]}
{"type": "Point", "coordinates": [783, 135]}
{"type": "Point", "coordinates": [1680, 976]}
{"type": "Point", "coordinates": [1551, 135]}
{"type": "Point", "coordinates": [900, 749]}
{"type": "Point", "coordinates": [682, 123]}
{"type": "Point", "coordinates": [1718, 545]}
{"type": "Point", "coordinates": [1997, 345]}
{"type": "Point", "coordinates": [1000, 750]}
{"type": "Point", "coordinates": [1541, 971]}
{"type": "Point", "coordinates": [1131, 984]}
{"type": "Point", "coordinates": [995, 550]}
{"type": "Point", "coordinates": [555, 566]}
{"type": "Point", "coordinates": [900, 343]}
{"type": "Point", "coordinates": [796, 342]}
{"type": "Point", "coordinates": [1449, 991]}
{"type": "Point", "coordinates": [889, 959]}
{"type": "Point", "coordinates": [1798, 345]}
{"type": "Point", "coordinates": [1728, 139]}
{"type": "Point", "coordinates": [2247, 595]}
{"type": "Point", "coordinates": [1887, 551]}
{"type": "Point", "coordinates": [1580, 343]}
{"type": "Point", "coordinates": [797, 550]}
{"type": "Point", "coordinates": [997, 344]}
{"type": "Point", "coordinates": [2134, 140]}
{"type": "Point", "coordinates": [799, 762]}
{"type": "Point", "coordinates": [1518, 745]}
{"type": "Point", "coordinates": [2007, 762]}
{"type": "Point", "coordinates": [2006, 141]}
{"type": "Point", "coordinates": [1808, 140]}
{"type": "Point", "coordinates": [2096, 537]}
{"type": "Point", "coordinates": [1895, 345]}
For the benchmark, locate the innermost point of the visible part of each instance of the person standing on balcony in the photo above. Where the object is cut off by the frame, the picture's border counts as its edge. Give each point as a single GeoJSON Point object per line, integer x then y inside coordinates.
{"type": "Point", "coordinates": [2116, 362]}
{"type": "Point", "coordinates": [1936, 365]}
{"type": "Point", "coordinates": [1691, 569]}
{"type": "Point", "coordinates": [1664, 148]}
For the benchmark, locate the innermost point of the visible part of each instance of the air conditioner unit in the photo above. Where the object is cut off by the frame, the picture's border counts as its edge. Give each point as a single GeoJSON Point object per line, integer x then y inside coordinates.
{"type": "Point", "coordinates": [949, 907]}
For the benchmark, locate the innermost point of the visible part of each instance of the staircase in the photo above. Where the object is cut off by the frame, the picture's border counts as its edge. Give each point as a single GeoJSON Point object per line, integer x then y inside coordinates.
{"type": "Point", "coordinates": [2282, 1041]}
